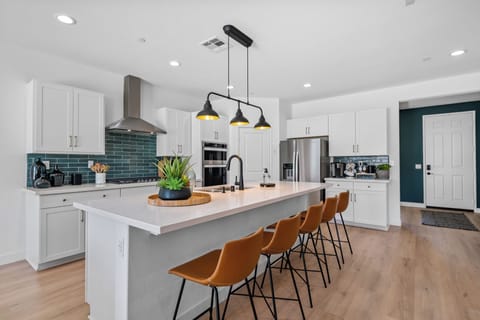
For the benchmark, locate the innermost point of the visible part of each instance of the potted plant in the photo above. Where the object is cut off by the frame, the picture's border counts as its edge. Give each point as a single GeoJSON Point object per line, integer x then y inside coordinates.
{"type": "Point", "coordinates": [383, 171]}
{"type": "Point", "coordinates": [174, 182]}
{"type": "Point", "coordinates": [100, 170]}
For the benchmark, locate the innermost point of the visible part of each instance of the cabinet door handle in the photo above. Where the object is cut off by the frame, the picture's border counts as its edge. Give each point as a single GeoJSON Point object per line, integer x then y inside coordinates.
{"type": "Point", "coordinates": [181, 148]}
{"type": "Point", "coordinates": [70, 141]}
{"type": "Point", "coordinates": [305, 130]}
{"type": "Point", "coordinates": [353, 148]}
{"type": "Point", "coordinates": [355, 197]}
{"type": "Point", "coordinates": [308, 130]}
{"type": "Point", "coordinates": [358, 149]}
{"type": "Point", "coordinates": [82, 216]}
{"type": "Point", "coordinates": [76, 141]}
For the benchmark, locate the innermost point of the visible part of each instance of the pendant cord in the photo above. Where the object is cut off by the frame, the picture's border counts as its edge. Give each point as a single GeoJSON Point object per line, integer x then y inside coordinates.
{"type": "Point", "coordinates": [248, 93]}
{"type": "Point", "coordinates": [228, 66]}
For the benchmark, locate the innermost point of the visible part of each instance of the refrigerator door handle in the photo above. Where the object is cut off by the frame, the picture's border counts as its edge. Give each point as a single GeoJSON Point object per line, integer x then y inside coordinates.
{"type": "Point", "coordinates": [298, 166]}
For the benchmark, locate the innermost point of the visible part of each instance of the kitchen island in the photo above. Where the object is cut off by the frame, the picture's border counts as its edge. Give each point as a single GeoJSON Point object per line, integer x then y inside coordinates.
{"type": "Point", "coordinates": [131, 245]}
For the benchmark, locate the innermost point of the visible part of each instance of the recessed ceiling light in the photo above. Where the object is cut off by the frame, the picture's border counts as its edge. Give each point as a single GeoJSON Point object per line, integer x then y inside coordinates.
{"type": "Point", "coordinates": [65, 19]}
{"type": "Point", "coordinates": [307, 85]}
{"type": "Point", "coordinates": [230, 87]}
{"type": "Point", "coordinates": [457, 53]}
{"type": "Point", "coordinates": [426, 59]}
{"type": "Point", "coordinates": [175, 63]}
{"type": "Point", "coordinates": [142, 40]}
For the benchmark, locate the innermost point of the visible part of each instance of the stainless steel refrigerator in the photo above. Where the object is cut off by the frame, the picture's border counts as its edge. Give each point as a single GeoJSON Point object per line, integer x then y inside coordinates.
{"type": "Point", "coordinates": [305, 160]}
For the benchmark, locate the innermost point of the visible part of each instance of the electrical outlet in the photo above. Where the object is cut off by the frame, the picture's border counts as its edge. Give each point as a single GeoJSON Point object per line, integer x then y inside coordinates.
{"type": "Point", "coordinates": [90, 163]}
{"type": "Point", "coordinates": [418, 166]}
{"type": "Point", "coordinates": [47, 164]}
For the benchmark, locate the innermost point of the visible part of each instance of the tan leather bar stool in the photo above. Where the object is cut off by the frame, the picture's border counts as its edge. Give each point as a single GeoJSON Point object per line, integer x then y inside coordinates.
{"type": "Point", "coordinates": [310, 224]}
{"type": "Point", "coordinates": [280, 242]}
{"type": "Point", "coordinates": [329, 211]}
{"type": "Point", "coordinates": [222, 268]}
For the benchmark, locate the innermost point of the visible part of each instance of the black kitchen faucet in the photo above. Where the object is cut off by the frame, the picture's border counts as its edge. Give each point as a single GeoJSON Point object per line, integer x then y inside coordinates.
{"type": "Point", "coordinates": [241, 186]}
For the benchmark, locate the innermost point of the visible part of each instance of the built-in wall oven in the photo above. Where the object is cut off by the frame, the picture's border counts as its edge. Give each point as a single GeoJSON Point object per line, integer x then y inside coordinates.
{"type": "Point", "coordinates": [214, 163]}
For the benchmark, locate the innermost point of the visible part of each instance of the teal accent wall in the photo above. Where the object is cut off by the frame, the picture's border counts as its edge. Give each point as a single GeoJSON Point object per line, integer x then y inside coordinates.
{"type": "Point", "coordinates": [127, 155]}
{"type": "Point", "coordinates": [411, 147]}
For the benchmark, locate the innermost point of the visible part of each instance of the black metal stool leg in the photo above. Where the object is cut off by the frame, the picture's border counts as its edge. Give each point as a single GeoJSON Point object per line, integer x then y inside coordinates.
{"type": "Point", "coordinates": [324, 254]}
{"type": "Point", "coordinates": [319, 263]}
{"type": "Point", "coordinates": [226, 302]}
{"type": "Point", "coordinates": [217, 302]}
{"type": "Point", "coordinates": [334, 247]}
{"type": "Point", "coordinates": [272, 288]}
{"type": "Point", "coordinates": [251, 300]}
{"type": "Point", "coordinates": [212, 296]}
{"type": "Point", "coordinates": [178, 300]}
{"type": "Point", "coordinates": [295, 283]}
{"type": "Point", "coordinates": [306, 272]}
{"type": "Point", "coordinates": [346, 234]}
{"type": "Point", "coordinates": [338, 239]}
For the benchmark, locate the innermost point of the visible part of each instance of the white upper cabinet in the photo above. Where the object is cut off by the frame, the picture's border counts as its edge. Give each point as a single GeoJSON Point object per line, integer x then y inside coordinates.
{"type": "Point", "coordinates": [309, 127]}
{"type": "Point", "coordinates": [88, 122]}
{"type": "Point", "coordinates": [358, 133]}
{"type": "Point", "coordinates": [214, 130]}
{"type": "Point", "coordinates": [178, 125]}
{"type": "Point", "coordinates": [63, 119]}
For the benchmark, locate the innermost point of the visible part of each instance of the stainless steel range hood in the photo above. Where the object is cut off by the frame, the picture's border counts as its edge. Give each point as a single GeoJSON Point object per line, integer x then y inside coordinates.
{"type": "Point", "coordinates": [131, 121]}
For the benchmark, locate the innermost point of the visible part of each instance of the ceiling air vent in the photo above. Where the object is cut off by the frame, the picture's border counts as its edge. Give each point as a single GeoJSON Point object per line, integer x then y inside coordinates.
{"type": "Point", "coordinates": [215, 44]}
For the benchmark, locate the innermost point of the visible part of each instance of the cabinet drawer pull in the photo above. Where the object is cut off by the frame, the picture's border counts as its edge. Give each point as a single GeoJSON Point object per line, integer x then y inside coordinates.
{"type": "Point", "coordinates": [104, 196]}
{"type": "Point", "coordinates": [64, 200]}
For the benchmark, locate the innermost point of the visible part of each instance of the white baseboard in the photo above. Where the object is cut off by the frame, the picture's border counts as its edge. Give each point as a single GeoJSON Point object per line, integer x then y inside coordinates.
{"type": "Point", "coordinates": [413, 204]}
{"type": "Point", "coordinates": [11, 257]}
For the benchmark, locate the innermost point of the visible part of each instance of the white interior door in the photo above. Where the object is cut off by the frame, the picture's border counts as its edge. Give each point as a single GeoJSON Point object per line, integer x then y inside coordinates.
{"type": "Point", "coordinates": [255, 152]}
{"type": "Point", "coordinates": [449, 153]}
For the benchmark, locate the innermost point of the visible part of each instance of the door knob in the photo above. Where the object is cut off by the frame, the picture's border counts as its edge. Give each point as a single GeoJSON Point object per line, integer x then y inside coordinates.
{"type": "Point", "coordinates": [429, 173]}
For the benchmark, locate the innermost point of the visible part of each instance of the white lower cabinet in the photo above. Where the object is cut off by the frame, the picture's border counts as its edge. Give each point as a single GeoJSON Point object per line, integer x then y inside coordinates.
{"type": "Point", "coordinates": [368, 202]}
{"type": "Point", "coordinates": [63, 233]}
{"type": "Point", "coordinates": [55, 230]}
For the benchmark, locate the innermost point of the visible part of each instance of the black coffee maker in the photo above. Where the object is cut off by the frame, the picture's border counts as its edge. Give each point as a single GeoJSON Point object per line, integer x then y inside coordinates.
{"type": "Point", "coordinates": [39, 175]}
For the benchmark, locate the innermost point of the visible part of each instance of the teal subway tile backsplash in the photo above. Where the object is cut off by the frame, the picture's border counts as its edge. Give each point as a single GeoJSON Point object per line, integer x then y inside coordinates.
{"type": "Point", "coordinates": [128, 156]}
{"type": "Point", "coordinates": [373, 160]}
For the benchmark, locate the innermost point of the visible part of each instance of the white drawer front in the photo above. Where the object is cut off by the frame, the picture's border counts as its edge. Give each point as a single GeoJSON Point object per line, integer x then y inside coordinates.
{"type": "Point", "coordinates": [66, 199]}
{"type": "Point", "coordinates": [370, 186]}
{"type": "Point", "coordinates": [340, 185]}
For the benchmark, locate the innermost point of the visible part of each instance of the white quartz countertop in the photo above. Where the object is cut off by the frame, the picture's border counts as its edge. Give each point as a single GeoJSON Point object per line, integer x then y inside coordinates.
{"type": "Point", "coordinates": [359, 180]}
{"type": "Point", "coordinates": [87, 187]}
{"type": "Point", "coordinates": [136, 212]}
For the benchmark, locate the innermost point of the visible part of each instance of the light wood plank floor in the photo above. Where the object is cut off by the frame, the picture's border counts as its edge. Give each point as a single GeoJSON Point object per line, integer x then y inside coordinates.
{"type": "Point", "coordinates": [412, 272]}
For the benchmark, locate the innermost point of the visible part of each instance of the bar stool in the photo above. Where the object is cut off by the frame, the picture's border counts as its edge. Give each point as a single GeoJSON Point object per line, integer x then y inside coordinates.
{"type": "Point", "coordinates": [343, 200]}
{"type": "Point", "coordinates": [222, 268]}
{"type": "Point", "coordinates": [330, 209]}
{"type": "Point", "coordinates": [280, 242]}
{"type": "Point", "coordinates": [311, 223]}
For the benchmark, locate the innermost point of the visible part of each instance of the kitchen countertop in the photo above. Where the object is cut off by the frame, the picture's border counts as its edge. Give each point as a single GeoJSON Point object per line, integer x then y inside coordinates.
{"type": "Point", "coordinates": [87, 187]}
{"type": "Point", "coordinates": [359, 180]}
{"type": "Point", "coordinates": [135, 211]}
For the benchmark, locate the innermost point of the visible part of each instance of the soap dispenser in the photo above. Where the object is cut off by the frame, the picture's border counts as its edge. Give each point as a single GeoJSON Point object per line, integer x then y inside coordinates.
{"type": "Point", "coordinates": [266, 179]}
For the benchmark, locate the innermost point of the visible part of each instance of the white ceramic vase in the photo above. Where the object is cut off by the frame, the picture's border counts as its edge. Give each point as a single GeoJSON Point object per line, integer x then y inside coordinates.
{"type": "Point", "coordinates": [100, 178]}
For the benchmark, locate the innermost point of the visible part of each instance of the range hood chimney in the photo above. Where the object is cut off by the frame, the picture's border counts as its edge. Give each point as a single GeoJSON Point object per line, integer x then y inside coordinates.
{"type": "Point", "coordinates": [131, 121]}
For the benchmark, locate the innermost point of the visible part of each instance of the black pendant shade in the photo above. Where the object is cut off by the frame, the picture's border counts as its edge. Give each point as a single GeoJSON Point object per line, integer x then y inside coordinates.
{"type": "Point", "coordinates": [207, 112]}
{"type": "Point", "coordinates": [262, 124]}
{"type": "Point", "coordinates": [239, 119]}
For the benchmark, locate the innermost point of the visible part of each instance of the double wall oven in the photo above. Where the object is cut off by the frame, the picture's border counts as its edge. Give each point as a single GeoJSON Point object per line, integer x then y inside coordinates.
{"type": "Point", "coordinates": [214, 163]}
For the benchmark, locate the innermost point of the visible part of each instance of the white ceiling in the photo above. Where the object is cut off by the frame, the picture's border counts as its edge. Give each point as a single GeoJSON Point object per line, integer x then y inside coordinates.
{"type": "Point", "coordinates": [338, 46]}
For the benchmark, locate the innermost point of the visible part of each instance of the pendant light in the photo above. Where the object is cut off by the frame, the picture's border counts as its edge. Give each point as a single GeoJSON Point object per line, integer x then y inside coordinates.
{"type": "Point", "coordinates": [239, 119]}
{"type": "Point", "coordinates": [207, 113]}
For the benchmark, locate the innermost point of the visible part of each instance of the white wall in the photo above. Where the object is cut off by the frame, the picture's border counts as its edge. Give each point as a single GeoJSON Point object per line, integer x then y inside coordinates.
{"type": "Point", "coordinates": [17, 67]}
{"type": "Point", "coordinates": [390, 98]}
{"type": "Point", "coordinates": [271, 111]}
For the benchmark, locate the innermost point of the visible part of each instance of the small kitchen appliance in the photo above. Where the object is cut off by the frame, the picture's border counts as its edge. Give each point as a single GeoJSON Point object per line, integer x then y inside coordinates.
{"type": "Point", "coordinates": [76, 178]}
{"type": "Point", "coordinates": [39, 174]}
{"type": "Point", "coordinates": [337, 169]}
{"type": "Point", "coordinates": [56, 177]}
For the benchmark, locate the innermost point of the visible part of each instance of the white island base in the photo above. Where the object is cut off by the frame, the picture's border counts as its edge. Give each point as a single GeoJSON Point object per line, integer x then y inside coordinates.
{"type": "Point", "coordinates": [131, 246]}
